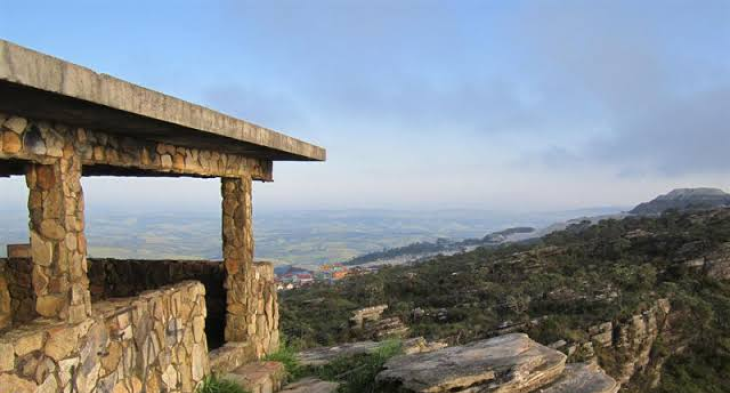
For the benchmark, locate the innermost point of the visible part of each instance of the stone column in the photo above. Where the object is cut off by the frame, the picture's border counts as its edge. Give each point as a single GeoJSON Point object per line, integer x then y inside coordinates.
{"type": "Point", "coordinates": [237, 255]}
{"type": "Point", "coordinates": [58, 244]}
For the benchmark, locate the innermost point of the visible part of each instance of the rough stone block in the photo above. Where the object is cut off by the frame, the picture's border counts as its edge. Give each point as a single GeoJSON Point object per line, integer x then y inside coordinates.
{"type": "Point", "coordinates": [61, 343]}
{"type": "Point", "coordinates": [11, 142]}
{"type": "Point", "coordinates": [49, 305]}
{"type": "Point", "coordinates": [41, 250]}
{"type": "Point", "coordinates": [15, 384]}
{"type": "Point", "coordinates": [7, 357]}
{"type": "Point", "coordinates": [16, 124]}
{"type": "Point", "coordinates": [28, 342]}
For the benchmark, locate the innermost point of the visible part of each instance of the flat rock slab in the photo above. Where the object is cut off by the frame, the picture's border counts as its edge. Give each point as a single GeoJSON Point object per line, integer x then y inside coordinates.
{"type": "Point", "coordinates": [325, 355]}
{"type": "Point", "coordinates": [512, 363]}
{"type": "Point", "coordinates": [583, 378]}
{"type": "Point", "coordinates": [259, 377]}
{"type": "Point", "coordinates": [311, 385]}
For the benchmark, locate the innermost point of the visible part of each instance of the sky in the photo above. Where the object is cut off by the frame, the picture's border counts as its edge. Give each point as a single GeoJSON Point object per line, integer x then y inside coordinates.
{"type": "Point", "coordinates": [499, 105]}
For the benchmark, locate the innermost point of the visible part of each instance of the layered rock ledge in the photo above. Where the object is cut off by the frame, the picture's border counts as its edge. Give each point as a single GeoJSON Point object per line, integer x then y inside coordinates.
{"type": "Point", "coordinates": [507, 364]}
{"type": "Point", "coordinates": [583, 378]}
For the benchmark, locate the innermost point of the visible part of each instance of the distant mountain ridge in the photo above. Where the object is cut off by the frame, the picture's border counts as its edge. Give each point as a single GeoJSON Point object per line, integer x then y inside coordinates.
{"type": "Point", "coordinates": [422, 250]}
{"type": "Point", "coordinates": [683, 199]}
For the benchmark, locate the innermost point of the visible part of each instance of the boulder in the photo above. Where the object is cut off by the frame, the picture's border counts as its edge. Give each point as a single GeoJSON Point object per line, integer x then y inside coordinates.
{"type": "Point", "coordinates": [507, 364]}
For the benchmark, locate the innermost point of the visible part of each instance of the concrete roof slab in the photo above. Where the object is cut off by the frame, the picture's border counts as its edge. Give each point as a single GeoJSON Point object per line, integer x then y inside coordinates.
{"type": "Point", "coordinates": [35, 84]}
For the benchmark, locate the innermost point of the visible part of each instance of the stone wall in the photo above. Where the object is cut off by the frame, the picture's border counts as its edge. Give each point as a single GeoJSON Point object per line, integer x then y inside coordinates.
{"type": "Point", "coordinates": [153, 343]}
{"type": "Point", "coordinates": [112, 278]}
{"type": "Point", "coordinates": [17, 302]}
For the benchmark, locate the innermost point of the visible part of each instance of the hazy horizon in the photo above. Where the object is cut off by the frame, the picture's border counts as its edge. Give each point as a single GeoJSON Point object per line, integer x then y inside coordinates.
{"type": "Point", "coordinates": [506, 106]}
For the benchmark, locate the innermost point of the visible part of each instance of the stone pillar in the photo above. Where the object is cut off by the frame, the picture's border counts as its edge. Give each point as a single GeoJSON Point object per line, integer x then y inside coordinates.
{"type": "Point", "coordinates": [237, 255]}
{"type": "Point", "coordinates": [58, 244]}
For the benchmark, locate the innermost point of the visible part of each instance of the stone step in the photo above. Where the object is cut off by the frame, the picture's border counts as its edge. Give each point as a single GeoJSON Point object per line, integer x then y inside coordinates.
{"type": "Point", "coordinates": [231, 356]}
{"type": "Point", "coordinates": [311, 385]}
{"type": "Point", "coordinates": [507, 364]}
{"type": "Point", "coordinates": [582, 378]}
{"type": "Point", "coordinates": [259, 377]}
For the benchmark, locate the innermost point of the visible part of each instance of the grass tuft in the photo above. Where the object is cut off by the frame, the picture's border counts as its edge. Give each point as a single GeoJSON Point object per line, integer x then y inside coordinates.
{"type": "Point", "coordinates": [287, 355]}
{"type": "Point", "coordinates": [215, 384]}
{"type": "Point", "coordinates": [357, 374]}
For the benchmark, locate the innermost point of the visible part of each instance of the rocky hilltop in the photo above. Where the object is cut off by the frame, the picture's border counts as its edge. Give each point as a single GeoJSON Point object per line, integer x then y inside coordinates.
{"type": "Point", "coordinates": [684, 199]}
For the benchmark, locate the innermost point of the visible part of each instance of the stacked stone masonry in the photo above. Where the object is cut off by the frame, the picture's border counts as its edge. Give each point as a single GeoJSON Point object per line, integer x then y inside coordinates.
{"type": "Point", "coordinates": [49, 292]}
{"type": "Point", "coordinates": [237, 256]}
{"type": "Point", "coordinates": [58, 245]}
{"type": "Point", "coordinates": [152, 343]}
{"type": "Point", "coordinates": [57, 155]}
{"type": "Point", "coordinates": [47, 143]}
{"type": "Point", "coordinates": [115, 278]}
{"type": "Point", "coordinates": [112, 278]}
{"type": "Point", "coordinates": [263, 331]}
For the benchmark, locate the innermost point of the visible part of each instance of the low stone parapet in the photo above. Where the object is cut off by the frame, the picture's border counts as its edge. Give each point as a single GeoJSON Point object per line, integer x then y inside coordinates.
{"type": "Point", "coordinates": [155, 341]}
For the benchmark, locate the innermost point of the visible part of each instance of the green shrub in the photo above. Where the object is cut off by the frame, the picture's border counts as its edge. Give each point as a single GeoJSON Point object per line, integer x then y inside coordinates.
{"type": "Point", "coordinates": [357, 374]}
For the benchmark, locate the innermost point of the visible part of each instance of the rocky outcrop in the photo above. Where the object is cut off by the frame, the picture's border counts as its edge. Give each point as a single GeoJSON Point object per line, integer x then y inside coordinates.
{"type": "Point", "coordinates": [368, 323]}
{"type": "Point", "coordinates": [624, 347]}
{"type": "Point", "coordinates": [582, 378]}
{"type": "Point", "coordinates": [717, 264]}
{"type": "Point", "coordinates": [510, 363]}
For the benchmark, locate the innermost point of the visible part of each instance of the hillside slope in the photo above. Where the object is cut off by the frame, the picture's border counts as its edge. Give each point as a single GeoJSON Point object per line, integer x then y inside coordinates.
{"type": "Point", "coordinates": [603, 291]}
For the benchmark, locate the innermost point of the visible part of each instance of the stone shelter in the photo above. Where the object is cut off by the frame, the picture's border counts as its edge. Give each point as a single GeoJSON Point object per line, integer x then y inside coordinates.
{"type": "Point", "coordinates": [69, 323]}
